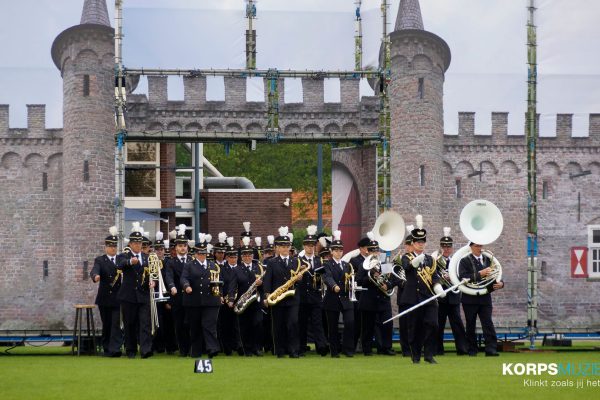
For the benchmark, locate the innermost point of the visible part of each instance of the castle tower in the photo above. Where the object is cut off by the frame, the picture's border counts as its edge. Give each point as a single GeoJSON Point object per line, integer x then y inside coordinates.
{"type": "Point", "coordinates": [84, 54]}
{"type": "Point", "coordinates": [419, 60]}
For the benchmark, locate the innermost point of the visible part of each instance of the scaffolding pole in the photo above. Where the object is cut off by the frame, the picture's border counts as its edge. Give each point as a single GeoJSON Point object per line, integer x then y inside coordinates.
{"type": "Point", "coordinates": [532, 132]}
{"type": "Point", "coordinates": [121, 131]}
{"type": "Point", "coordinates": [384, 115]}
{"type": "Point", "coordinates": [358, 50]}
{"type": "Point", "coordinates": [251, 35]}
{"type": "Point", "coordinates": [245, 73]}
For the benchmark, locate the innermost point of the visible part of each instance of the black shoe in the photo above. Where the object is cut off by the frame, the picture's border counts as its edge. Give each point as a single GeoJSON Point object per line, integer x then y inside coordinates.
{"type": "Point", "coordinates": [348, 354]}
{"type": "Point", "coordinates": [472, 354]}
{"type": "Point", "coordinates": [492, 354]}
{"type": "Point", "coordinates": [249, 354]}
{"type": "Point", "coordinates": [461, 353]}
{"type": "Point", "coordinates": [323, 351]}
{"type": "Point", "coordinates": [368, 354]}
{"type": "Point", "coordinates": [280, 355]}
{"type": "Point", "coordinates": [130, 355]}
{"type": "Point", "coordinates": [115, 355]}
{"type": "Point", "coordinates": [147, 355]}
{"type": "Point", "coordinates": [388, 352]}
{"type": "Point", "coordinates": [335, 355]}
{"type": "Point", "coordinates": [439, 353]}
{"type": "Point", "coordinates": [416, 360]}
{"type": "Point", "coordinates": [302, 354]}
{"type": "Point", "coordinates": [294, 355]}
{"type": "Point", "coordinates": [212, 354]}
{"type": "Point", "coordinates": [406, 355]}
{"type": "Point", "coordinates": [258, 353]}
{"type": "Point", "coordinates": [431, 360]}
{"type": "Point", "coordinates": [170, 352]}
{"type": "Point", "coordinates": [227, 352]}
{"type": "Point", "coordinates": [183, 355]}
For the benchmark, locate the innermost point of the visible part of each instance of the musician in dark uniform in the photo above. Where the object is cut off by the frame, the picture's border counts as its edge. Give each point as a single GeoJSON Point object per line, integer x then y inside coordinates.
{"type": "Point", "coordinates": [246, 274]}
{"type": "Point", "coordinates": [230, 331]}
{"type": "Point", "coordinates": [422, 282]}
{"type": "Point", "coordinates": [310, 314]}
{"type": "Point", "coordinates": [449, 306]}
{"type": "Point", "coordinates": [267, 327]}
{"type": "Point", "coordinates": [164, 336]}
{"type": "Point", "coordinates": [134, 296]}
{"type": "Point", "coordinates": [174, 269]}
{"type": "Point", "coordinates": [405, 259]}
{"type": "Point", "coordinates": [375, 305]}
{"type": "Point", "coordinates": [106, 273]}
{"type": "Point", "coordinates": [284, 314]}
{"type": "Point", "coordinates": [476, 267]}
{"type": "Point", "coordinates": [337, 300]}
{"type": "Point", "coordinates": [357, 262]}
{"type": "Point", "coordinates": [202, 300]}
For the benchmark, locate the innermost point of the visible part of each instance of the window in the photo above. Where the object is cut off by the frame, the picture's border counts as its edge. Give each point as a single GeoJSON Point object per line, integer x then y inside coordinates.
{"type": "Point", "coordinates": [458, 189]}
{"type": "Point", "coordinates": [594, 251]}
{"type": "Point", "coordinates": [141, 170]}
{"type": "Point", "coordinates": [86, 85]}
{"type": "Point", "coordinates": [421, 90]}
{"type": "Point", "coordinates": [422, 175]}
{"type": "Point", "coordinates": [544, 190]}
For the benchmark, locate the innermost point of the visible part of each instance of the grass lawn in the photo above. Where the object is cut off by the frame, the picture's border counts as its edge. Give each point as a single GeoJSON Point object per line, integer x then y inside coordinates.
{"type": "Point", "coordinates": [50, 373]}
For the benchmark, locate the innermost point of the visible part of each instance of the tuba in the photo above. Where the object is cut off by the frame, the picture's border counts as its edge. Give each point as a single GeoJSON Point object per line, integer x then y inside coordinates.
{"type": "Point", "coordinates": [481, 222]}
{"type": "Point", "coordinates": [389, 230]}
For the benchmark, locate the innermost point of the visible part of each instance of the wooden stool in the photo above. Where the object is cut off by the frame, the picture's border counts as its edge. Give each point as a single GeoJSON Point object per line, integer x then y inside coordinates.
{"type": "Point", "coordinates": [90, 333]}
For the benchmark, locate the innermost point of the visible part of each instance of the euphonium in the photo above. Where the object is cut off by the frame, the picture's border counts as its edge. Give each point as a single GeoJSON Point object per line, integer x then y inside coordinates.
{"type": "Point", "coordinates": [284, 290]}
{"type": "Point", "coordinates": [250, 295]}
{"type": "Point", "coordinates": [372, 265]}
{"type": "Point", "coordinates": [442, 270]}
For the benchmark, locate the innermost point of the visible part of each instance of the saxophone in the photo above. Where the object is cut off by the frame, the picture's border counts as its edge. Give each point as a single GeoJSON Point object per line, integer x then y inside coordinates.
{"type": "Point", "coordinates": [284, 291]}
{"type": "Point", "coordinates": [249, 296]}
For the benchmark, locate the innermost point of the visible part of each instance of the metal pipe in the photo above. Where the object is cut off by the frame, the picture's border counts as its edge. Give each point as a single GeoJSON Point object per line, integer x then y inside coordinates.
{"type": "Point", "coordinates": [238, 182]}
{"type": "Point", "coordinates": [243, 73]}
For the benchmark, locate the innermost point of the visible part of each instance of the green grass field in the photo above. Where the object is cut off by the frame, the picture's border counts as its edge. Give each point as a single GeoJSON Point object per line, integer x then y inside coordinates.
{"type": "Point", "coordinates": [50, 373]}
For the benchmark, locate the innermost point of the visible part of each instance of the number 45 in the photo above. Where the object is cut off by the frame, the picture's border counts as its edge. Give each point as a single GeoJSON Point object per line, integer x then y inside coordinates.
{"type": "Point", "coordinates": [203, 366]}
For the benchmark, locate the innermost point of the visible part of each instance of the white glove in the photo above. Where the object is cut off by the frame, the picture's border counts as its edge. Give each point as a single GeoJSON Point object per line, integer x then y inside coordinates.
{"type": "Point", "coordinates": [438, 289]}
{"type": "Point", "coordinates": [418, 260]}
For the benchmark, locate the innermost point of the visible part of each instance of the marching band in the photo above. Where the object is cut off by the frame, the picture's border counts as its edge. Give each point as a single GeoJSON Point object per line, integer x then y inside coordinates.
{"type": "Point", "coordinates": [254, 299]}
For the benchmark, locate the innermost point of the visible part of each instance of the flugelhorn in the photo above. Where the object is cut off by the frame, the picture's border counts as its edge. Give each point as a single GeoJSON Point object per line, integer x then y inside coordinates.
{"type": "Point", "coordinates": [481, 222]}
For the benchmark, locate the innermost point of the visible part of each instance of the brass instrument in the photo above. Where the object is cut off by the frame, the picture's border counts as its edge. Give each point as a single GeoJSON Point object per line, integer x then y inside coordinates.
{"type": "Point", "coordinates": [481, 222]}
{"type": "Point", "coordinates": [284, 290]}
{"type": "Point", "coordinates": [351, 285]}
{"type": "Point", "coordinates": [425, 273]}
{"type": "Point", "coordinates": [250, 296]}
{"type": "Point", "coordinates": [442, 270]}
{"type": "Point", "coordinates": [215, 282]}
{"type": "Point", "coordinates": [376, 276]}
{"type": "Point", "coordinates": [154, 266]}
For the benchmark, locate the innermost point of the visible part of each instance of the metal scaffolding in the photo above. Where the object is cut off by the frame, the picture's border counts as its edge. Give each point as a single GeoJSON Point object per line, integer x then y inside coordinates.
{"type": "Point", "coordinates": [532, 132]}
{"type": "Point", "coordinates": [272, 78]}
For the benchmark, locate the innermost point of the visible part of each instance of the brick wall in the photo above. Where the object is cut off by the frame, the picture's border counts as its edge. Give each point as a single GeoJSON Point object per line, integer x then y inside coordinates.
{"type": "Point", "coordinates": [227, 209]}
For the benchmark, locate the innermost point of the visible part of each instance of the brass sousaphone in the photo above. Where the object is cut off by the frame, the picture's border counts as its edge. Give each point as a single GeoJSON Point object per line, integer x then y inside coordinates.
{"type": "Point", "coordinates": [481, 222]}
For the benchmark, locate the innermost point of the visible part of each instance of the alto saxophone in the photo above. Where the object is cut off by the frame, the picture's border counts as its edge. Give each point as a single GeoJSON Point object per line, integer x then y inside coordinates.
{"type": "Point", "coordinates": [249, 297]}
{"type": "Point", "coordinates": [284, 291]}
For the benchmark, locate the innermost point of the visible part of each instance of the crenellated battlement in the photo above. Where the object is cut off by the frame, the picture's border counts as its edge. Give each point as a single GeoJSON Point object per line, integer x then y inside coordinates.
{"type": "Point", "coordinates": [194, 88]}
{"type": "Point", "coordinates": [36, 125]}
{"type": "Point", "coordinates": [154, 111]}
{"type": "Point", "coordinates": [561, 125]}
